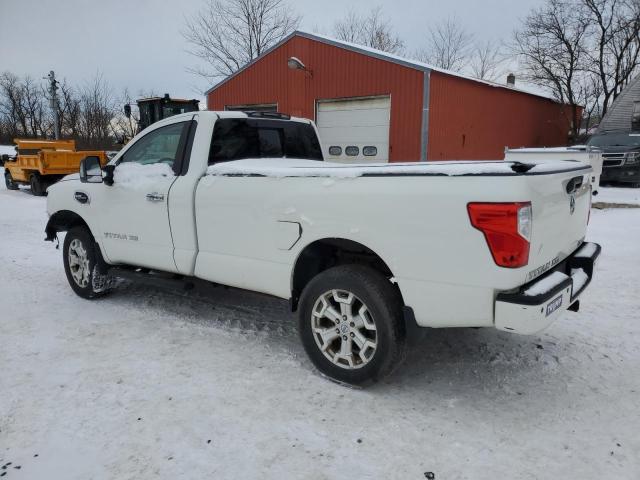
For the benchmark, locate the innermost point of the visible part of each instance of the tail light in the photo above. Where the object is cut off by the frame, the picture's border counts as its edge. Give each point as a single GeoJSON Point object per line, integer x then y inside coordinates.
{"type": "Point", "coordinates": [507, 229]}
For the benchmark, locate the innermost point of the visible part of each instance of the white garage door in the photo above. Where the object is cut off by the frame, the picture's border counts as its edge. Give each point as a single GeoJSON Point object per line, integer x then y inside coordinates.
{"type": "Point", "coordinates": [356, 130]}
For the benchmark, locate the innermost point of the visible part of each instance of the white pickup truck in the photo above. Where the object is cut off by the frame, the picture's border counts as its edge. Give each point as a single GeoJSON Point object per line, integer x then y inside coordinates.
{"type": "Point", "coordinates": [363, 253]}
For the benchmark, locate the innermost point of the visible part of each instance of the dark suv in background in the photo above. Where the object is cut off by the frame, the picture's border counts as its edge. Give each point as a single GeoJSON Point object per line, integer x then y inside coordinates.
{"type": "Point", "coordinates": [620, 157]}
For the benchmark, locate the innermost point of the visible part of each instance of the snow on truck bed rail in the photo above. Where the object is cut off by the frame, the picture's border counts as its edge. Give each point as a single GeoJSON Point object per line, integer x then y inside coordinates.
{"type": "Point", "coordinates": [546, 284]}
{"type": "Point", "coordinates": [286, 167]}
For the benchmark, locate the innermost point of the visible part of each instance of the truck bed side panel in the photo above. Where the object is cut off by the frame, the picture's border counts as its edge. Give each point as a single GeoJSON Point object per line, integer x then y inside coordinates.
{"type": "Point", "coordinates": [418, 225]}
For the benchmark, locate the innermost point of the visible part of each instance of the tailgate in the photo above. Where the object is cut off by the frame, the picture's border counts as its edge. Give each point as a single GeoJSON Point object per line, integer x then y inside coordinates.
{"type": "Point", "coordinates": [560, 205]}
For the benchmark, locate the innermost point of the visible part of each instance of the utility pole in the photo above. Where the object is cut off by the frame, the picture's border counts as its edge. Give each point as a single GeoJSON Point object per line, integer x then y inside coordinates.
{"type": "Point", "coordinates": [53, 102]}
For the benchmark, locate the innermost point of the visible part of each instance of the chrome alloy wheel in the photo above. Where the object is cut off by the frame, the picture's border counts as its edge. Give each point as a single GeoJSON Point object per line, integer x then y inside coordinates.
{"type": "Point", "coordinates": [343, 329]}
{"type": "Point", "coordinates": [79, 263]}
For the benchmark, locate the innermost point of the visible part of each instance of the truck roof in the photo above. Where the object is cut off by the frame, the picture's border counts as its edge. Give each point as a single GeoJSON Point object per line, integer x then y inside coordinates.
{"type": "Point", "coordinates": [238, 114]}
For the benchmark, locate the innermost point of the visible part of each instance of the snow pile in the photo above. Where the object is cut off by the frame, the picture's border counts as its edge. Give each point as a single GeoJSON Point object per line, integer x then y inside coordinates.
{"type": "Point", "coordinates": [8, 150]}
{"type": "Point", "coordinates": [138, 176]}
{"type": "Point", "coordinates": [587, 250]}
{"type": "Point", "coordinates": [621, 195]}
{"type": "Point", "coordinates": [574, 148]}
{"type": "Point", "coordinates": [546, 284]}
{"type": "Point", "coordinates": [287, 167]}
{"type": "Point", "coordinates": [580, 279]}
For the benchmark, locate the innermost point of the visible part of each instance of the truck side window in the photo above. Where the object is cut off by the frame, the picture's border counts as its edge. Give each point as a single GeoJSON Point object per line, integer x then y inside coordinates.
{"type": "Point", "coordinates": [239, 138]}
{"type": "Point", "coordinates": [159, 146]}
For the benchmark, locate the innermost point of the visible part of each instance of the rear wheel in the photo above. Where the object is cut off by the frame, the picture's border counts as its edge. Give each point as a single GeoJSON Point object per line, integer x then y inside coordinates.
{"type": "Point", "coordinates": [82, 264]}
{"type": "Point", "coordinates": [38, 187]}
{"type": "Point", "coordinates": [351, 324]}
{"type": "Point", "coordinates": [8, 181]}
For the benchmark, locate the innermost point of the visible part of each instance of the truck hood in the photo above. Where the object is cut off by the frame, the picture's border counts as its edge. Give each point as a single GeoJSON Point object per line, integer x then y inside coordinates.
{"type": "Point", "coordinates": [71, 176]}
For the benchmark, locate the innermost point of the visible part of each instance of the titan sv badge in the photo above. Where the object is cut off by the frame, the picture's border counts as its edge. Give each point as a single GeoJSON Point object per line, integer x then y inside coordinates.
{"type": "Point", "coordinates": [543, 268]}
{"type": "Point", "coordinates": [120, 236]}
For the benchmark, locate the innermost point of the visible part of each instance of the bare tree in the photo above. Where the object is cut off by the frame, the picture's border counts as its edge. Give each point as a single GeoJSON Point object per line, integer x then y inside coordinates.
{"type": "Point", "coordinates": [87, 114]}
{"type": "Point", "coordinates": [97, 109]}
{"type": "Point", "coordinates": [34, 107]}
{"type": "Point", "coordinates": [22, 106]}
{"type": "Point", "coordinates": [370, 30]}
{"type": "Point", "coordinates": [68, 111]}
{"type": "Point", "coordinates": [486, 61]}
{"type": "Point", "coordinates": [590, 95]}
{"type": "Point", "coordinates": [227, 34]}
{"type": "Point", "coordinates": [13, 115]}
{"type": "Point", "coordinates": [616, 44]}
{"type": "Point", "coordinates": [551, 49]}
{"type": "Point", "coordinates": [448, 45]}
{"type": "Point", "coordinates": [124, 127]}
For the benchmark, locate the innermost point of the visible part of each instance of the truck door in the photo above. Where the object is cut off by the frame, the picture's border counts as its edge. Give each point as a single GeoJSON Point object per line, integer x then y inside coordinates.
{"type": "Point", "coordinates": [135, 219]}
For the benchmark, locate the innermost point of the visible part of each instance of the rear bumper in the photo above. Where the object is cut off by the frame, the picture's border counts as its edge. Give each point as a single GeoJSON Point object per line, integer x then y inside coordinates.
{"type": "Point", "coordinates": [537, 304]}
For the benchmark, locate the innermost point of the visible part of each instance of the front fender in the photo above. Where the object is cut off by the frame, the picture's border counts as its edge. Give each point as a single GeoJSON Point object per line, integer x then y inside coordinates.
{"type": "Point", "coordinates": [62, 221]}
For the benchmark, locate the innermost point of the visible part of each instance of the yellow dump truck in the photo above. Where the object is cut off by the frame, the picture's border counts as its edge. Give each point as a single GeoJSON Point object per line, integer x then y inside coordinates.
{"type": "Point", "coordinates": [40, 163]}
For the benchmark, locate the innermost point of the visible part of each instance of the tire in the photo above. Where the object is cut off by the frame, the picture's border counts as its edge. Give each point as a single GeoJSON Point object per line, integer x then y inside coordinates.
{"type": "Point", "coordinates": [38, 187]}
{"type": "Point", "coordinates": [85, 269]}
{"type": "Point", "coordinates": [362, 346]}
{"type": "Point", "coordinates": [8, 181]}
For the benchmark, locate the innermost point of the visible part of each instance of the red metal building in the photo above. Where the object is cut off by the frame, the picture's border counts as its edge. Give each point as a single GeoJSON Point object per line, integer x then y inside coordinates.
{"type": "Point", "coordinates": [370, 105]}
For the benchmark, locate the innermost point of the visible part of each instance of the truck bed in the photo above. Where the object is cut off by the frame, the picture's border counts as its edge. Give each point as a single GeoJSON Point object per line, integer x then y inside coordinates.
{"type": "Point", "coordinates": [413, 215]}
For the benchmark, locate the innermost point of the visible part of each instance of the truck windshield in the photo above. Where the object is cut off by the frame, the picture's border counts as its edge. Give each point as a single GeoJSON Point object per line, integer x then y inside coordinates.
{"type": "Point", "coordinates": [615, 140]}
{"type": "Point", "coordinates": [239, 138]}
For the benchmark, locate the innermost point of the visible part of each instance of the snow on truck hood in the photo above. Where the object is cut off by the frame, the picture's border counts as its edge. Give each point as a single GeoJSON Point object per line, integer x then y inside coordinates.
{"type": "Point", "coordinates": [286, 167]}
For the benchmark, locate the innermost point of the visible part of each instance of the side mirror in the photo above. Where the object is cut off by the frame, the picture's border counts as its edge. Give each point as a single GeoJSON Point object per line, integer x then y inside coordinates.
{"type": "Point", "coordinates": [108, 174]}
{"type": "Point", "coordinates": [127, 110]}
{"type": "Point", "coordinates": [90, 170]}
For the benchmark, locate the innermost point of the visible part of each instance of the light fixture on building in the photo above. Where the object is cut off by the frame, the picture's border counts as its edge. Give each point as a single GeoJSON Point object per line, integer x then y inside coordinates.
{"type": "Point", "coordinates": [295, 63]}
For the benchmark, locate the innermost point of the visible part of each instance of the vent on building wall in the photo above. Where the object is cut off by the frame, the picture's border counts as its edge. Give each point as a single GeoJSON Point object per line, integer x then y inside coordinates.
{"type": "Point", "coordinates": [511, 80]}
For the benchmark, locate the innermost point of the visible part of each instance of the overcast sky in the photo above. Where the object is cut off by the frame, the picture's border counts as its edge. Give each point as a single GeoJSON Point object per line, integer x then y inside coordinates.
{"type": "Point", "coordinates": [137, 43]}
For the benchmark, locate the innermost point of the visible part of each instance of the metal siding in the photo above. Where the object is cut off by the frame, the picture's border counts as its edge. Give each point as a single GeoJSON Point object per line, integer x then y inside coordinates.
{"type": "Point", "coordinates": [472, 121]}
{"type": "Point", "coordinates": [619, 115]}
{"type": "Point", "coordinates": [337, 73]}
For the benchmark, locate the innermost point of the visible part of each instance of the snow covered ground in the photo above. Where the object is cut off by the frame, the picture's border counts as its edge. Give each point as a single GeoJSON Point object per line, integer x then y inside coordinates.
{"type": "Point", "coordinates": [623, 195]}
{"type": "Point", "coordinates": [153, 384]}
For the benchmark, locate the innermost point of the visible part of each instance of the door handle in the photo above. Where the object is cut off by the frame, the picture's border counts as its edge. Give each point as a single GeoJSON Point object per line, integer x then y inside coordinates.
{"type": "Point", "coordinates": [155, 197]}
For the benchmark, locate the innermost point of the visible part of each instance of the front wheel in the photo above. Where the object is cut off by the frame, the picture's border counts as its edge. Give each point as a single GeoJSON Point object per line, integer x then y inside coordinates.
{"type": "Point", "coordinates": [8, 181]}
{"type": "Point", "coordinates": [82, 265]}
{"type": "Point", "coordinates": [351, 324]}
